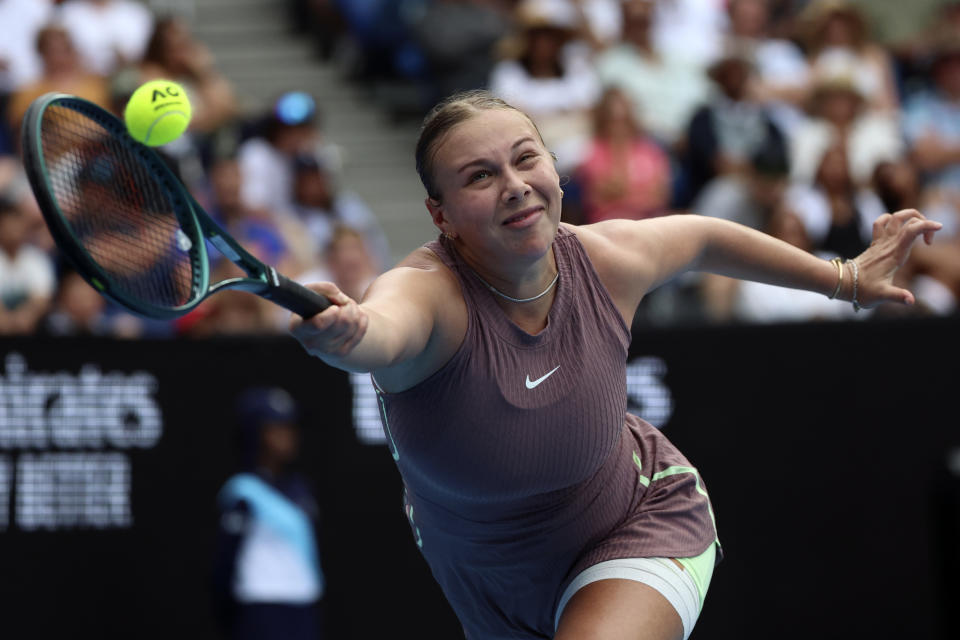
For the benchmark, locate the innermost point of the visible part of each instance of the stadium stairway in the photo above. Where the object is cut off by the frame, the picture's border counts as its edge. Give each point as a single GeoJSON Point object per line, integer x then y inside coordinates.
{"type": "Point", "coordinates": [256, 47]}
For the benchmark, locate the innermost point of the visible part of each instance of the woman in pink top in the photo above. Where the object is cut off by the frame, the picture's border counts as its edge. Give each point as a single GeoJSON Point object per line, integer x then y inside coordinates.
{"type": "Point", "coordinates": [624, 173]}
{"type": "Point", "coordinates": [495, 325]}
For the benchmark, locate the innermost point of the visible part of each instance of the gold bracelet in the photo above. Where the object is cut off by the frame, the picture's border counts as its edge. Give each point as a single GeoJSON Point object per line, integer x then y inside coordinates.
{"type": "Point", "coordinates": [838, 263]}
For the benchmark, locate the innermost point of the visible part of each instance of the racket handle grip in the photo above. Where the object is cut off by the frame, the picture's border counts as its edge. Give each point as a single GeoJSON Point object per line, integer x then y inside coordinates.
{"type": "Point", "coordinates": [294, 296]}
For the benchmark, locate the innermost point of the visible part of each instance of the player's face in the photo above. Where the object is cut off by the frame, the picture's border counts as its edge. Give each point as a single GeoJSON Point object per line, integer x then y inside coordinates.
{"type": "Point", "coordinates": [500, 192]}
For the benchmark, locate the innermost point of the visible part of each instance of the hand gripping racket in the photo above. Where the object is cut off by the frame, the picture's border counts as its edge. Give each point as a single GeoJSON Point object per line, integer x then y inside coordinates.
{"type": "Point", "coordinates": [127, 223]}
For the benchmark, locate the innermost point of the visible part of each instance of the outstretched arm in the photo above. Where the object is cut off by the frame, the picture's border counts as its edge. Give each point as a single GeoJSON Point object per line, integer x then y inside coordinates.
{"type": "Point", "coordinates": [650, 252]}
{"type": "Point", "coordinates": [402, 320]}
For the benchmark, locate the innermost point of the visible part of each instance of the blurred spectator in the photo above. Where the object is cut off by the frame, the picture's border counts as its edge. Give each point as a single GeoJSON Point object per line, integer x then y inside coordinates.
{"type": "Point", "coordinates": [837, 213]}
{"type": "Point", "coordinates": [624, 174]}
{"type": "Point", "coordinates": [899, 185]}
{"type": "Point", "coordinates": [664, 88]}
{"type": "Point", "coordinates": [80, 310]}
{"type": "Point", "coordinates": [109, 34]}
{"type": "Point", "coordinates": [838, 41]}
{"type": "Point", "coordinates": [839, 113]}
{"type": "Point", "coordinates": [278, 241]}
{"type": "Point", "coordinates": [782, 71]}
{"type": "Point", "coordinates": [321, 19]}
{"type": "Point", "coordinates": [27, 278]}
{"type": "Point", "coordinates": [289, 129]}
{"type": "Point", "coordinates": [942, 24]}
{"type": "Point", "coordinates": [726, 140]}
{"type": "Point", "coordinates": [173, 53]}
{"type": "Point", "coordinates": [321, 205]}
{"type": "Point", "coordinates": [547, 72]}
{"type": "Point", "coordinates": [15, 188]}
{"type": "Point", "coordinates": [274, 241]}
{"type": "Point", "coordinates": [730, 299]}
{"type": "Point", "coordinates": [20, 20]}
{"type": "Point", "coordinates": [62, 71]}
{"type": "Point", "coordinates": [268, 582]}
{"type": "Point", "coordinates": [933, 271]}
{"type": "Point", "coordinates": [350, 265]}
{"type": "Point", "coordinates": [230, 312]}
{"type": "Point", "coordinates": [931, 121]}
{"type": "Point", "coordinates": [457, 38]}
{"type": "Point", "coordinates": [693, 29]}
{"type": "Point", "coordinates": [604, 19]}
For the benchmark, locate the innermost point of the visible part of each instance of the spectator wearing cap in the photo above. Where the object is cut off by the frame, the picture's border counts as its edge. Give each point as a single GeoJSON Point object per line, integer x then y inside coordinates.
{"type": "Point", "coordinates": [268, 581]}
{"type": "Point", "coordinates": [290, 128]}
{"type": "Point", "coordinates": [728, 140]}
{"type": "Point", "coordinates": [546, 71]}
{"type": "Point", "coordinates": [664, 88]}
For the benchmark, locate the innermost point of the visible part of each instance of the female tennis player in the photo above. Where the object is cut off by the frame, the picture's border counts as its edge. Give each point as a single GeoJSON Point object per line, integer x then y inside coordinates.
{"type": "Point", "coordinates": [542, 507]}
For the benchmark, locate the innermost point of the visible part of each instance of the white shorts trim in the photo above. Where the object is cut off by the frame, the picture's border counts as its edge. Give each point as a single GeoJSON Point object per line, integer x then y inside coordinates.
{"type": "Point", "coordinates": [662, 574]}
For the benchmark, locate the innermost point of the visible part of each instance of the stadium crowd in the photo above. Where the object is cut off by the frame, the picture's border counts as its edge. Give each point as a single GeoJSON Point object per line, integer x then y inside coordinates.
{"type": "Point", "coordinates": [806, 119]}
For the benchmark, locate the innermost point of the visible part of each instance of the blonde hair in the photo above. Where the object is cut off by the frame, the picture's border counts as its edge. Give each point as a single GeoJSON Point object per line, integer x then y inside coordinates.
{"type": "Point", "coordinates": [446, 115]}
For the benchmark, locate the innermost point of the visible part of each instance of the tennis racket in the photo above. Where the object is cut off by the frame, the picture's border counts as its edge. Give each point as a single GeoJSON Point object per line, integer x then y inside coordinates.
{"type": "Point", "coordinates": [127, 223]}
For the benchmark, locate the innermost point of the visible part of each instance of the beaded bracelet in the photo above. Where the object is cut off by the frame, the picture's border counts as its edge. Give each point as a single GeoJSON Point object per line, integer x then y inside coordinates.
{"type": "Point", "coordinates": [856, 277]}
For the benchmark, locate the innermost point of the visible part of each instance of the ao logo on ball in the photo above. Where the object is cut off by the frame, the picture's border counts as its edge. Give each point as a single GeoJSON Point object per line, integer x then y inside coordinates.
{"type": "Point", "coordinates": [158, 112]}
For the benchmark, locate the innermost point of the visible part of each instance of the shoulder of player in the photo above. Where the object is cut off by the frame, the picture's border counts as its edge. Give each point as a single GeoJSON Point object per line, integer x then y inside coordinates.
{"type": "Point", "coordinates": [421, 274]}
{"type": "Point", "coordinates": [622, 254]}
{"type": "Point", "coordinates": [610, 241]}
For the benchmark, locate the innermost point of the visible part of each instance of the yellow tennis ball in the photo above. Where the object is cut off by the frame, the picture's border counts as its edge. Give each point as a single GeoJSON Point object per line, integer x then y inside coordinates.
{"type": "Point", "coordinates": [158, 112]}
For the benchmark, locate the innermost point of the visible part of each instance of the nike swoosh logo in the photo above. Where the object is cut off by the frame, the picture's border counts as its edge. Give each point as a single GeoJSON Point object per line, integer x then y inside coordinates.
{"type": "Point", "coordinates": [534, 383]}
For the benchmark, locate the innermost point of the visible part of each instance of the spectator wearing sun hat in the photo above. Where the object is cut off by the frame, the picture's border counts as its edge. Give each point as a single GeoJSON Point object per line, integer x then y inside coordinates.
{"type": "Point", "coordinates": [839, 112]}
{"type": "Point", "coordinates": [546, 71]}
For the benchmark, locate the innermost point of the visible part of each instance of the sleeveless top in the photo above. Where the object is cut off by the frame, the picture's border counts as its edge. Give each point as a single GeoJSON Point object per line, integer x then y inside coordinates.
{"type": "Point", "coordinates": [521, 466]}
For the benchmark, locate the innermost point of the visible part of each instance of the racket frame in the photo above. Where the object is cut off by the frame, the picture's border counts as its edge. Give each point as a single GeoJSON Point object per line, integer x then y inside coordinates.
{"type": "Point", "coordinates": [195, 223]}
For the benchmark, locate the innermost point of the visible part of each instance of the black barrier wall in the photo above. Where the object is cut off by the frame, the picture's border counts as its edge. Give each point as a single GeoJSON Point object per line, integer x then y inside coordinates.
{"type": "Point", "coordinates": [826, 450]}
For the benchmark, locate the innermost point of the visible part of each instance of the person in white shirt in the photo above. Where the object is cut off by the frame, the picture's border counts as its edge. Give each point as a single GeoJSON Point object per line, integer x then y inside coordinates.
{"type": "Point", "coordinates": [108, 33]}
{"type": "Point", "coordinates": [549, 74]}
{"type": "Point", "coordinates": [20, 21]}
{"type": "Point", "coordinates": [27, 279]}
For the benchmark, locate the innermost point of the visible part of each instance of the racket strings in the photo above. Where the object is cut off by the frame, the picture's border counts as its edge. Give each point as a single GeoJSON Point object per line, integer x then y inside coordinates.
{"type": "Point", "coordinates": [117, 210]}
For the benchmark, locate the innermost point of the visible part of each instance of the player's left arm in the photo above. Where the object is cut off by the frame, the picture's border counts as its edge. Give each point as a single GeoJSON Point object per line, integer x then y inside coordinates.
{"type": "Point", "coordinates": [644, 254]}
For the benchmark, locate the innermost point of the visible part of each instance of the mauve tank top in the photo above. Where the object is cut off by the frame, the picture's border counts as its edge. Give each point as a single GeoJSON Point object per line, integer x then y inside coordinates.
{"type": "Point", "coordinates": [521, 465]}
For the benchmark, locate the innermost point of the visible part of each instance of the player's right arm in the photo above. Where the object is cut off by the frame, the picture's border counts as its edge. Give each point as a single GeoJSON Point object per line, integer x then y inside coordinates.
{"type": "Point", "coordinates": [411, 321]}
